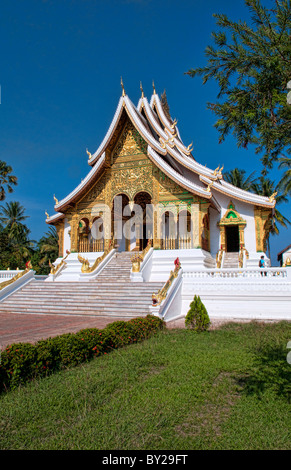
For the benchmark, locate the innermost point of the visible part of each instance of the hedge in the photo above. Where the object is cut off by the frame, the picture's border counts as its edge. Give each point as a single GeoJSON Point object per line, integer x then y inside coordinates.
{"type": "Point", "coordinates": [23, 362]}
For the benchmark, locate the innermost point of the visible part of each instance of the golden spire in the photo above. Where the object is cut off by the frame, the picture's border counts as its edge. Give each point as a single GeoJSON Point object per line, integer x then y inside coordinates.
{"type": "Point", "coordinates": [209, 186]}
{"type": "Point", "coordinates": [272, 198]}
{"type": "Point", "coordinates": [220, 171]}
{"type": "Point", "coordinates": [174, 123]}
{"type": "Point", "coordinates": [122, 86]}
{"type": "Point", "coordinates": [56, 201]}
{"type": "Point", "coordinates": [142, 93]}
{"type": "Point", "coordinates": [154, 88]}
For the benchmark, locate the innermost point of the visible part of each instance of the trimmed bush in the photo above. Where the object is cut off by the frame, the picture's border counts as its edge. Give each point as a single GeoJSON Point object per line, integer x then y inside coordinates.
{"type": "Point", "coordinates": [197, 317]}
{"type": "Point", "coordinates": [24, 361]}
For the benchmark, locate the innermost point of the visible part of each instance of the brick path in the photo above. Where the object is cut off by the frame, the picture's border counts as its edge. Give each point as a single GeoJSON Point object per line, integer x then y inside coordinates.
{"type": "Point", "coordinates": [16, 328]}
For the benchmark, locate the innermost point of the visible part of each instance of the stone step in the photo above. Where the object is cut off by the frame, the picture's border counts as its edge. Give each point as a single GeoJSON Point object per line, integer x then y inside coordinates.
{"type": "Point", "coordinates": [92, 290]}
{"type": "Point", "coordinates": [110, 294]}
{"type": "Point", "coordinates": [21, 300]}
{"type": "Point", "coordinates": [93, 313]}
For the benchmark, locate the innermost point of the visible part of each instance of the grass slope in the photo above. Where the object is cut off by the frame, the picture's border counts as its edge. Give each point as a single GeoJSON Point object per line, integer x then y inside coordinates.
{"type": "Point", "coordinates": [224, 389]}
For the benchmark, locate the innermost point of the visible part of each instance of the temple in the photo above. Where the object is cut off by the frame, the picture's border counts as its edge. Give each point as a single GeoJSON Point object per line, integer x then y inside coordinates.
{"type": "Point", "coordinates": [149, 228]}
{"type": "Point", "coordinates": [144, 186]}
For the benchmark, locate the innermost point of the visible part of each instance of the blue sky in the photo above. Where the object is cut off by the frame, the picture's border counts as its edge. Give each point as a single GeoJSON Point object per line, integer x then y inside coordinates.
{"type": "Point", "coordinates": [60, 68]}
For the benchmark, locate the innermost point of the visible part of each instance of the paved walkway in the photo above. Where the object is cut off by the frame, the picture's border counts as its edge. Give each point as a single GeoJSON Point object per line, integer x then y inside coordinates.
{"type": "Point", "coordinates": [27, 328]}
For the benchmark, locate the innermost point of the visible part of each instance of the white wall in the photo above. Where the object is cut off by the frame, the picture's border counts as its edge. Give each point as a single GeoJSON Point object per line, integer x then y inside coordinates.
{"type": "Point", "coordinates": [67, 238]}
{"type": "Point", "coordinates": [245, 210]}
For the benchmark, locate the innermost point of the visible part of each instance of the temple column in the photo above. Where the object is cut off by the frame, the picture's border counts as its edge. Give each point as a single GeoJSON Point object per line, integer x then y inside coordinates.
{"type": "Point", "coordinates": [74, 233]}
{"type": "Point", "coordinates": [156, 214]}
{"type": "Point", "coordinates": [203, 210]}
{"type": "Point", "coordinates": [263, 226]}
{"type": "Point", "coordinates": [195, 214]}
{"type": "Point", "coordinates": [60, 232]}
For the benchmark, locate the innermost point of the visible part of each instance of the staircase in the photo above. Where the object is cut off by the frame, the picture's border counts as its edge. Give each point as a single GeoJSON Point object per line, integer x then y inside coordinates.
{"type": "Point", "coordinates": [110, 294]}
{"type": "Point", "coordinates": [230, 260]}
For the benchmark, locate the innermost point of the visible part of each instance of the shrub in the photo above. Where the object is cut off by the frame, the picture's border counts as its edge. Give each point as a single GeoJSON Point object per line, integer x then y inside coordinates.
{"type": "Point", "coordinates": [17, 364]}
{"type": "Point", "coordinates": [22, 362]}
{"type": "Point", "coordinates": [197, 317]}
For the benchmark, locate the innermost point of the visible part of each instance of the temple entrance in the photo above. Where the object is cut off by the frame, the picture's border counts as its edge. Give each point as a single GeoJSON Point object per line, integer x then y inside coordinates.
{"type": "Point", "coordinates": [232, 238]}
{"type": "Point", "coordinates": [132, 221]}
{"type": "Point", "coordinates": [144, 227]}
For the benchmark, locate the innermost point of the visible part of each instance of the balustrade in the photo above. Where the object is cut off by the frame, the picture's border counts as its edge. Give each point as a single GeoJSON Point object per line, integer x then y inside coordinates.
{"type": "Point", "coordinates": [238, 273]}
{"type": "Point", "coordinates": [180, 243]}
{"type": "Point", "coordinates": [90, 246]}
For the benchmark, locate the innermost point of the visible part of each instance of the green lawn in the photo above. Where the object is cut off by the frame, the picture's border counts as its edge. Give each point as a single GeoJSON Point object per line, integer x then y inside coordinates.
{"type": "Point", "coordinates": [225, 389]}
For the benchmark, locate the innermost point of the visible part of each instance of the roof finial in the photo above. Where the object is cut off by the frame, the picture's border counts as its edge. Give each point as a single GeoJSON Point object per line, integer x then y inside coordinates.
{"type": "Point", "coordinates": [47, 216]}
{"type": "Point", "coordinates": [142, 93]}
{"type": "Point", "coordinates": [56, 201]}
{"type": "Point", "coordinates": [89, 154]}
{"type": "Point", "coordinates": [154, 88]}
{"type": "Point", "coordinates": [123, 90]}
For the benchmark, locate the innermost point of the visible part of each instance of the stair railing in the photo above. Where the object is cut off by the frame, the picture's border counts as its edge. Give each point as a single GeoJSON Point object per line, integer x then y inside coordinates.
{"type": "Point", "coordinates": [167, 303]}
{"type": "Point", "coordinates": [137, 259]}
{"type": "Point", "coordinates": [219, 257]}
{"type": "Point", "coordinates": [18, 280]}
{"type": "Point", "coordinates": [158, 298]}
{"type": "Point", "coordinates": [86, 268]}
{"type": "Point", "coordinates": [55, 270]}
{"type": "Point", "coordinates": [243, 255]}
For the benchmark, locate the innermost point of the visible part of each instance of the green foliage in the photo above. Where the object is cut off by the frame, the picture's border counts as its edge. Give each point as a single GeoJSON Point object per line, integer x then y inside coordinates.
{"type": "Point", "coordinates": [237, 178]}
{"type": "Point", "coordinates": [197, 317]}
{"type": "Point", "coordinates": [23, 362]}
{"type": "Point", "coordinates": [7, 180]}
{"type": "Point", "coordinates": [251, 64]}
{"type": "Point", "coordinates": [47, 250]}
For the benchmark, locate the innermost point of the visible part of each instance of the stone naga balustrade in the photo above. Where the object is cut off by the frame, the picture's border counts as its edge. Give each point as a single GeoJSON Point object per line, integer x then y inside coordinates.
{"type": "Point", "coordinates": [239, 273]}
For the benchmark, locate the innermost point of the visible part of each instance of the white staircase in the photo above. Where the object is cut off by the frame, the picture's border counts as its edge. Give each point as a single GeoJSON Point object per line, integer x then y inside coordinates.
{"type": "Point", "coordinates": [110, 294]}
{"type": "Point", "coordinates": [230, 260]}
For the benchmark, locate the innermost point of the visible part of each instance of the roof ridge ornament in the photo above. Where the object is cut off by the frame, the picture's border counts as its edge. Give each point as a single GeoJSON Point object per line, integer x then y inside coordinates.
{"type": "Point", "coordinates": [272, 197]}
{"type": "Point", "coordinates": [89, 154]}
{"type": "Point", "coordinates": [189, 147]}
{"type": "Point", "coordinates": [154, 89]}
{"type": "Point", "coordinates": [122, 86]}
{"type": "Point", "coordinates": [142, 93]}
{"type": "Point", "coordinates": [56, 201]}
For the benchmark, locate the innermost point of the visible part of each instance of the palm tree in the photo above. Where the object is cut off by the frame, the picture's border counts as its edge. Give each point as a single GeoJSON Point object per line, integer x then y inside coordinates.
{"type": "Point", "coordinates": [265, 187]}
{"type": "Point", "coordinates": [285, 183]}
{"type": "Point", "coordinates": [49, 246]}
{"type": "Point", "coordinates": [6, 179]}
{"type": "Point", "coordinates": [237, 177]}
{"type": "Point", "coordinates": [17, 247]}
{"type": "Point", "coordinates": [12, 217]}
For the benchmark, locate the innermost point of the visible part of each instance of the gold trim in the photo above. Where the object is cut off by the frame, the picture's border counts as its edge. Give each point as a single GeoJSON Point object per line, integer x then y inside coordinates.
{"type": "Point", "coordinates": [17, 276]}
{"type": "Point", "coordinates": [162, 293]}
{"type": "Point", "coordinates": [86, 268]}
{"type": "Point", "coordinates": [136, 260]}
{"type": "Point", "coordinates": [55, 269]}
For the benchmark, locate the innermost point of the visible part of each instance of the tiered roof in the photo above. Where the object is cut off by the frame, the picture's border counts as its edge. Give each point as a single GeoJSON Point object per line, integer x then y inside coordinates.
{"type": "Point", "coordinates": [166, 150]}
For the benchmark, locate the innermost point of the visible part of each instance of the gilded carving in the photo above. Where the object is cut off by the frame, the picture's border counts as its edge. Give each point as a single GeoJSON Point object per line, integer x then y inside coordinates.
{"type": "Point", "coordinates": [129, 143]}
{"type": "Point", "coordinates": [263, 224]}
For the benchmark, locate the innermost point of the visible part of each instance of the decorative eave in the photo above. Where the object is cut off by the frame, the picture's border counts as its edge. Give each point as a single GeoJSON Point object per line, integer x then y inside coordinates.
{"type": "Point", "coordinates": [164, 134]}
{"type": "Point", "coordinates": [175, 176]}
{"type": "Point", "coordinates": [55, 218]}
{"type": "Point", "coordinates": [82, 187]}
{"type": "Point", "coordinates": [137, 121]}
{"type": "Point", "coordinates": [155, 103]}
{"type": "Point", "coordinates": [168, 142]}
{"type": "Point", "coordinates": [237, 193]}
